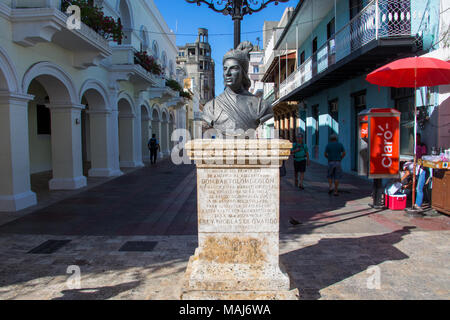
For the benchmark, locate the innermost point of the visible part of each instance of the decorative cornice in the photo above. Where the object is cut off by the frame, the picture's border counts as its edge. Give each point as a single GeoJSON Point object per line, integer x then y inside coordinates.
{"type": "Point", "coordinates": [99, 112]}
{"type": "Point", "coordinates": [65, 106]}
{"type": "Point", "coordinates": [127, 116]}
{"type": "Point", "coordinates": [8, 97]}
{"type": "Point", "coordinates": [125, 72]}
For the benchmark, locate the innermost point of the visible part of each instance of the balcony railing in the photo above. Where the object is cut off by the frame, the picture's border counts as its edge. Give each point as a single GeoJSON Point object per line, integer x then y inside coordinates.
{"type": "Point", "coordinates": [124, 61]}
{"type": "Point", "coordinates": [270, 97]}
{"type": "Point", "coordinates": [380, 19]}
{"type": "Point", "coordinates": [107, 27]}
{"type": "Point", "coordinates": [274, 55]}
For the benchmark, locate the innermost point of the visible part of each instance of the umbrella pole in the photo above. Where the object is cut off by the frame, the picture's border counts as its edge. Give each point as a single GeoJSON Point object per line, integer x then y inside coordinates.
{"type": "Point", "coordinates": [415, 140]}
{"type": "Point", "coordinates": [415, 163]}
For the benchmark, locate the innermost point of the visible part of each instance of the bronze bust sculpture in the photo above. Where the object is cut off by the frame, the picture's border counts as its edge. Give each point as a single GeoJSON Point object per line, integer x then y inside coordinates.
{"type": "Point", "coordinates": [236, 110]}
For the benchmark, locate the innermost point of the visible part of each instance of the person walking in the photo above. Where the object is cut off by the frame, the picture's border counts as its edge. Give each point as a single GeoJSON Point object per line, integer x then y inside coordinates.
{"type": "Point", "coordinates": [421, 177]}
{"type": "Point", "coordinates": [334, 152]}
{"type": "Point", "coordinates": [153, 146]}
{"type": "Point", "coordinates": [422, 173]}
{"type": "Point", "coordinates": [301, 159]}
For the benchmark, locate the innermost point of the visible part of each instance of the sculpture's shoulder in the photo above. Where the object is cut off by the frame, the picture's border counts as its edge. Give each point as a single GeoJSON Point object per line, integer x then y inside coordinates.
{"type": "Point", "coordinates": [251, 98]}
{"type": "Point", "coordinates": [261, 108]}
{"type": "Point", "coordinates": [256, 103]}
{"type": "Point", "coordinates": [248, 94]}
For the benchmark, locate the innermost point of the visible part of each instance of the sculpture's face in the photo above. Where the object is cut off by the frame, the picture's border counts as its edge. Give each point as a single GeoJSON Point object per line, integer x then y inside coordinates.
{"type": "Point", "coordinates": [232, 75]}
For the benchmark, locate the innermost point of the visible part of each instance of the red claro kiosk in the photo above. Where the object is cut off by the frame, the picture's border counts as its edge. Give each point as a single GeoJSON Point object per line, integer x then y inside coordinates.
{"type": "Point", "coordinates": [379, 147]}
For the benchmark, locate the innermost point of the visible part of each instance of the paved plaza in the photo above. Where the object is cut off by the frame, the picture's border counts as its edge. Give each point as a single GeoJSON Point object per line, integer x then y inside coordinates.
{"type": "Point", "coordinates": [331, 254]}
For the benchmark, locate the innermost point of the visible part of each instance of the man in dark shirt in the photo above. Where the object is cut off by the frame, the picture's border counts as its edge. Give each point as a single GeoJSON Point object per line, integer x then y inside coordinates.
{"type": "Point", "coordinates": [334, 152]}
{"type": "Point", "coordinates": [153, 146]}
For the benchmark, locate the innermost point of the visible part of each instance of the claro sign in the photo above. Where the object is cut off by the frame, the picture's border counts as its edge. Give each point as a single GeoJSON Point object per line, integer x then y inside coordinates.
{"type": "Point", "coordinates": [379, 143]}
{"type": "Point", "coordinates": [384, 136]}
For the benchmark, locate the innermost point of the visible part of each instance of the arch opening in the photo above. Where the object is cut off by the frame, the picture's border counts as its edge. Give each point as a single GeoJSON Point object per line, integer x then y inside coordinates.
{"type": "Point", "coordinates": [125, 17]}
{"type": "Point", "coordinates": [39, 133]}
{"type": "Point", "coordinates": [54, 130]}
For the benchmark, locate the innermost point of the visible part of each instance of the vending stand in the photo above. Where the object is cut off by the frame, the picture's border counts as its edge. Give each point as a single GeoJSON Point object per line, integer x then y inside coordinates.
{"type": "Point", "coordinates": [440, 198]}
{"type": "Point", "coordinates": [379, 147]}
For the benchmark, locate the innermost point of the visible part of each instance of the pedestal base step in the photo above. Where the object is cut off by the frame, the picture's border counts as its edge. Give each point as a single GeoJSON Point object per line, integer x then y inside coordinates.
{"type": "Point", "coordinates": [189, 293]}
{"type": "Point", "coordinates": [241, 295]}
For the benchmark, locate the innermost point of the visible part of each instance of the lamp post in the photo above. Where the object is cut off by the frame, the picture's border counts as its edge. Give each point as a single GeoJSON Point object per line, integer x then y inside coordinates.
{"type": "Point", "coordinates": [237, 9]}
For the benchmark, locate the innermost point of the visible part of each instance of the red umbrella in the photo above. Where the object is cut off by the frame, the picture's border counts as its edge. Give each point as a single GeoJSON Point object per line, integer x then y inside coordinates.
{"type": "Point", "coordinates": [412, 73]}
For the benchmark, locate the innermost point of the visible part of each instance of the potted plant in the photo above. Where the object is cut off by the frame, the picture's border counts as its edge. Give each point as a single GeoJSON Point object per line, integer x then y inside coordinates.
{"type": "Point", "coordinates": [147, 62]}
{"type": "Point", "coordinates": [93, 17]}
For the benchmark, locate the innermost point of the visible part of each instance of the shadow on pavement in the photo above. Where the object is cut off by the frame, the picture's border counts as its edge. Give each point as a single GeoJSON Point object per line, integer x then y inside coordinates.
{"type": "Point", "coordinates": [102, 293]}
{"type": "Point", "coordinates": [332, 260]}
{"type": "Point", "coordinates": [313, 207]}
{"type": "Point", "coordinates": [95, 272]}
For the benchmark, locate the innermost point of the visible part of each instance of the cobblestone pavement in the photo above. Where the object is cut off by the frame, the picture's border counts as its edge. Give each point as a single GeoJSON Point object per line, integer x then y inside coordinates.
{"type": "Point", "coordinates": [330, 255]}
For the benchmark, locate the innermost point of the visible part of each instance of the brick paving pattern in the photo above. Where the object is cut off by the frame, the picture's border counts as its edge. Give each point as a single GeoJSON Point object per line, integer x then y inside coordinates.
{"type": "Point", "coordinates": [328, 255]}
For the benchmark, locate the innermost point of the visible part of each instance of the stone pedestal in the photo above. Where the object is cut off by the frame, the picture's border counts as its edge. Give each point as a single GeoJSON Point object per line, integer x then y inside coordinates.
{"type": "Point", "coordinates": [238, 194]}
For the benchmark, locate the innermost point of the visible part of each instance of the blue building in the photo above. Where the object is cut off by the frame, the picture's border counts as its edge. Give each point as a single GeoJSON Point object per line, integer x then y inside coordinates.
{"type": "Point", "coordinates": [318, 63]}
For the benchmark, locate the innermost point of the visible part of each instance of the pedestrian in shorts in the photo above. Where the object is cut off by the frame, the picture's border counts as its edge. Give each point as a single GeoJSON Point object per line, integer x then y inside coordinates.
{"type": "Point", "coordinates": [334, 152]}
{"type": "Point", "coordinates": [301, 159]}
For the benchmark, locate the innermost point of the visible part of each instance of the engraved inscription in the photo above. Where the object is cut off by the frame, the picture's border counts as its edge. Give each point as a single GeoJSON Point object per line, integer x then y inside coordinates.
{"type": "Point", "coordinates": [238, 197]}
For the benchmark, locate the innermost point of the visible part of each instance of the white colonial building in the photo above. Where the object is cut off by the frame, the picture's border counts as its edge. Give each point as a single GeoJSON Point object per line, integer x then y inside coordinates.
{"type": "Point", "coordinates": [76, 104]}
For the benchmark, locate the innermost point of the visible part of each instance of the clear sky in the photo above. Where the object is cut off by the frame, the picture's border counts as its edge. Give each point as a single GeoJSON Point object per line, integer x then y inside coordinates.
{"type": "Point", "coordinates": [185, 18]}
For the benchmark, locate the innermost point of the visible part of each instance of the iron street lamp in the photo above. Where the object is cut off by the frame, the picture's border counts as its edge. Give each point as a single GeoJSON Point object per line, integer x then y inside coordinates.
{"type": "Point", "coordinates": [237, 9]}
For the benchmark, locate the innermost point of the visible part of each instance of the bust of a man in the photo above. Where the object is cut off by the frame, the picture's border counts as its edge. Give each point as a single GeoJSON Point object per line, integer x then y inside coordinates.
{"type": "Point", "coordinates": [236, 110]}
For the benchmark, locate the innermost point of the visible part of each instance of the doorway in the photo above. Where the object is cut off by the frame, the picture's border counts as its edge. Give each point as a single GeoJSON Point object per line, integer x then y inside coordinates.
{"type": "Point", "coordinates": [314, 57]}
{"type": "Point", "coordinates": [359, 104]}
{"type": "Point", "coordinates": [315, 130]}
{"type": "Point", "coordinates": [333, 112]}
